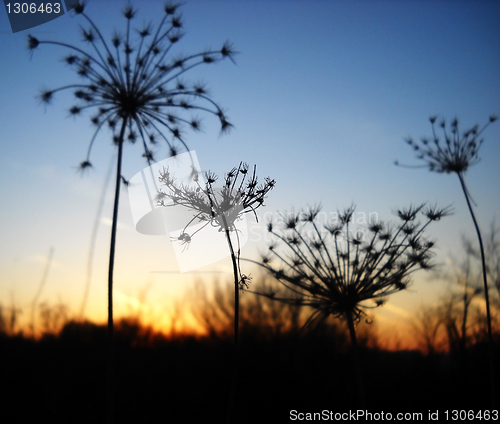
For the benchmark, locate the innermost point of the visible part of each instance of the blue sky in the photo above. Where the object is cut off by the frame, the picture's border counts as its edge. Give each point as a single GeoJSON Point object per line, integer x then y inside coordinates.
{"type": "Point", "coordinates": [322, 95]}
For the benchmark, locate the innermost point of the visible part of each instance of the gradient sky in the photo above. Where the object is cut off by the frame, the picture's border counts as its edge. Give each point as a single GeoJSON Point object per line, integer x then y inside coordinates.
{"type": "Point", "coordinates": [321, 97]}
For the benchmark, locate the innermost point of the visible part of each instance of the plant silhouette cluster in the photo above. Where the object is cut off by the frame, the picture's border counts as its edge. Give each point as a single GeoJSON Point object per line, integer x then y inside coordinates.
{"type": "Point", "coordinates": [219, 207]}
{"type": "Point", "coordinates": [132, 85]}
{"type": "Point", "coordinates": [134, 82]}
{"type": "Point", "coordinates": [336, 271]}
{"type": "Point", "coordinates": [281, 367]}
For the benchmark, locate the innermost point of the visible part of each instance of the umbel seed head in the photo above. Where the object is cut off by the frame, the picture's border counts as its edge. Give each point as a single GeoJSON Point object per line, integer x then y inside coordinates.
{"type": "Point", "coordinates": [132, 83]}
{"type": "Point", "coordinates": [341, 272]}
{"type": "Point", "coordinates": [449, 150]}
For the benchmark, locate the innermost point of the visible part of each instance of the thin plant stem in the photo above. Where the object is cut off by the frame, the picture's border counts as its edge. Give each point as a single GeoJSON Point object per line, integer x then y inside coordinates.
{"type": "Point", "coordinates": [355, 361]}
{"type": "Point", "coordinates": [232, 395]}
{"type": "Point", "coordinates": [486, 296]}
{"type": "Point", "coordinates": [93, 238]}
{"type": "Point", "coordinates": [110, 362]}
{"type": "Point", "coordinates": [466, 300]}
{"type": "Point", "coordinates": [236, 291]}
{"type": "Point", "coordinates": [40, 288]}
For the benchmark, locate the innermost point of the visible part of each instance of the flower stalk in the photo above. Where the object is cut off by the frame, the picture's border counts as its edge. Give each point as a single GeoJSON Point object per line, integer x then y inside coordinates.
{"type": "Point", "coordinates": [486, 293]}
{"type": "Point", "coordinates": [458, 152]}
{"type": "Point", "coordinates": [134, 84]}
{"type": "Point", "coordinates": [220, 208]}
{"type": "Point", "coordinates": [340, 273]}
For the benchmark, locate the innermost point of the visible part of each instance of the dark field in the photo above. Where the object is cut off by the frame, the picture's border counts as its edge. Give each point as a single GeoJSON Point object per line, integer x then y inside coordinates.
{"type": "Point", "coordinates": [61, 379]}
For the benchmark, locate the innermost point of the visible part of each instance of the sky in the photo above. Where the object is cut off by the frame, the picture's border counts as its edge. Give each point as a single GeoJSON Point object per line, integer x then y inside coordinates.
{"type": "Point", "coordinates": [321, 97]}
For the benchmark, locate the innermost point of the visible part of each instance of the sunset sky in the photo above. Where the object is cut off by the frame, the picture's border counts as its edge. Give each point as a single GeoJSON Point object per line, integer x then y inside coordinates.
{"type": "Point", "coordinates": [322, 95]}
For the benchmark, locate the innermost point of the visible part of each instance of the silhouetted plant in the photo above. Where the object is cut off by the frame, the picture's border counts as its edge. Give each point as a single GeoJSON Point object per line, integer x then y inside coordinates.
{"type": "Point", "coordinates": [456, 154]}
{"type": "Point", "coordinates": [492, 256]}
{"type": "Point", "coordinates": [134, 87]}
{"type": "Point", "coordinates": [260, 317]}
{"type": "Point", "coordinates": [492, 253]}
{"type": "Point", "coordinates": [53, 318]}
{"type": "Point", "coordinates": [221, 208]}
{"type": "Point", "coordinates": [426, 326]}
{"type": "Point", "coordinates": [9, 319]}
{"type": "Point", "coordinates": [93, 237]}
{"type": "Point", "coordinates": [337, 271]}
{"type": "Point", "coordinates": [459, 302]}
{"type": "Point", "coordinates": [40, 288]}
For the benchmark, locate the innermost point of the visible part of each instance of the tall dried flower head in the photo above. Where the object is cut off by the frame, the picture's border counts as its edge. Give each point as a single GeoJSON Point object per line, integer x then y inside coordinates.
{"type": "Point", "coordinates": [220, 207]}
{"type": "Point", "coordinates": [341, 272]}
{"type": "Point", "coordinates": [456, 154]}
{"type": "Point", "coordinates": [132, 83]}
{"type": "Point", "coordinates": [450, 150]}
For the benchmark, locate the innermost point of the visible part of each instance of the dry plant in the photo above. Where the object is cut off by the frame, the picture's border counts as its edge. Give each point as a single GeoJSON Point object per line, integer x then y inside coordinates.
{"type": "Point", "coordinates": [9, 319]}
{"type": "Point", "coordinates": [133, 86]}
{"type": "Point", "coordinates": [53, 318]}
{"type": "Point", "coordinates": [343, 273]}
{"type": "Point", "coordinates": [241, 193]}
{"type": "Point", "coordinates": [426, 327]}
{"type": "Point", "coordinates": [260, 317]}
{"type": "Point", "coordinates": [451, 151]}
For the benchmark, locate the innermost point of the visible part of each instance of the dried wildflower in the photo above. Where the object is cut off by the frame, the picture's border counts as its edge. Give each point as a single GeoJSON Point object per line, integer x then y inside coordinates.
{"type": "Point", "coordinates": [221, 208]}
{"type": "Point", "coordinates": [339, 276]}
{"type": "Point", "coordinates": [83, 166]}
{"type": "Point", "coordinates": [136, 84]}
{"type": "Point", "coordinates": [434, 213]}
{"type": "Point", "coordinates": [131, 84]}
{"type": "Point", "coordinates": [311, 213]}
{"type": "Point", "coordinates": [410, 213]}
{"type": "Point", "coordinates": [452, 151]}
{"type": "Point", "coordinates": [327, 269]}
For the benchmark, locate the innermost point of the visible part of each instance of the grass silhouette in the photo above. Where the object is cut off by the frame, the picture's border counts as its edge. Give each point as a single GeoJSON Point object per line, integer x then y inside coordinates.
{"type": "Point", "coordinates": [40, 288]}
{"type": "Point", "coordinates": [61, 376]}
{"type": "Point", "coordinates": [93, 238]}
